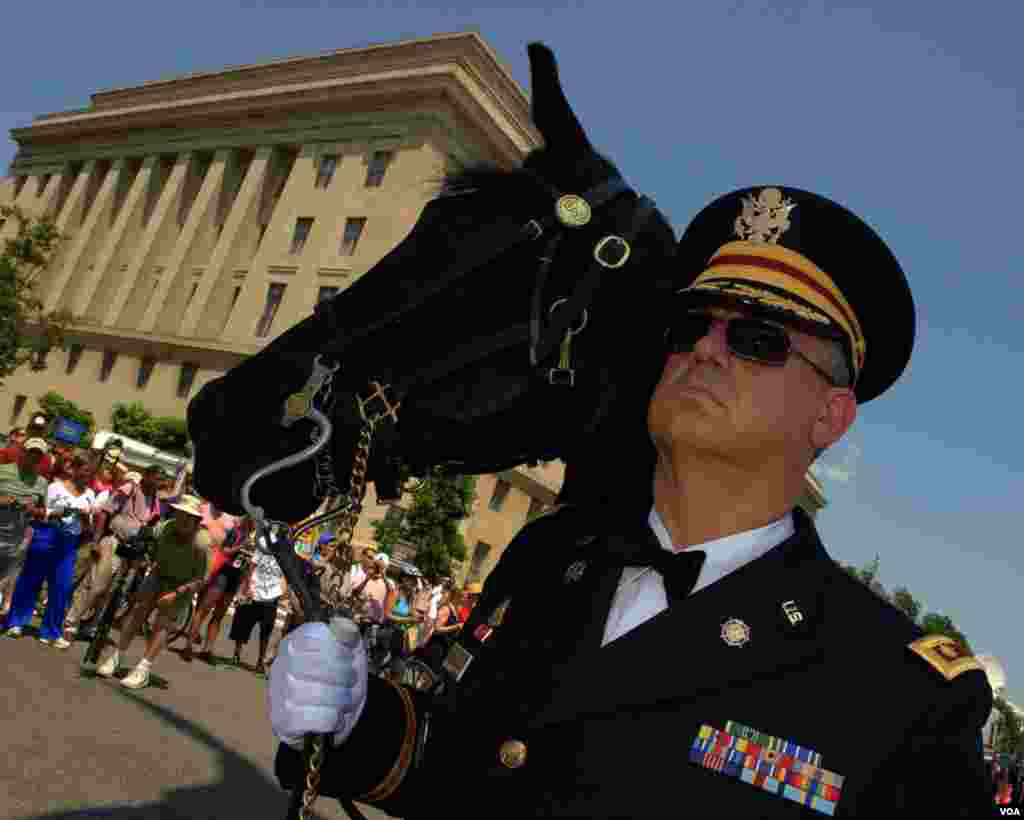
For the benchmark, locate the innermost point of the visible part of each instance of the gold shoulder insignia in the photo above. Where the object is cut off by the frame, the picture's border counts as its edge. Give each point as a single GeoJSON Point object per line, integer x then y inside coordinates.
{"type": "Point", "coordinates": [948, 656]}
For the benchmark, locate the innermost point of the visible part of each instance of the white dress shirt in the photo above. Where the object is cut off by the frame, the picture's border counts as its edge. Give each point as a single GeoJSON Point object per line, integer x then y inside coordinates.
{"type": "Point", "coordinates": [641, 593]}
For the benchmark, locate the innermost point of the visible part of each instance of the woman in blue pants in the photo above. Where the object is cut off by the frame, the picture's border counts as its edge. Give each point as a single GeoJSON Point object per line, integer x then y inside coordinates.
{"type": "Point", "coordinates": [52, 554]}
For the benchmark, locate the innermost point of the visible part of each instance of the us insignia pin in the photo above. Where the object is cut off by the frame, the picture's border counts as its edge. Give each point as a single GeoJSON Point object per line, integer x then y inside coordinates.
{"type": "Point", "coordinates": [575, 571]}
{"type": "Point", "coordinates": [793, 612]}
{"type": "Point", "coordinates": [735, 632]}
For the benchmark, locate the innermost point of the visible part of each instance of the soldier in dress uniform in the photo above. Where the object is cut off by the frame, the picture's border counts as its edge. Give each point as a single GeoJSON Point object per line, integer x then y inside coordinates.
{"type": "Point", "coordinates": [692, 647]}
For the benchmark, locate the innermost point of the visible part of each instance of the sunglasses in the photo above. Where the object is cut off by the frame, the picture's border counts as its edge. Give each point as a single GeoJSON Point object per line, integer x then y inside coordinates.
{"type": "Point", "coordinates": [756, 340]}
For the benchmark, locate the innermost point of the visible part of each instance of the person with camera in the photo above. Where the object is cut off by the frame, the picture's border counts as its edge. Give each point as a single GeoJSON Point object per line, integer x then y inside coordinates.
{"type": "Point", "coordinates": [22, 499]}
{"type": "Point", "coordinates": [126, 511]}
{"type": "Point", "coordinates": [180, 554]}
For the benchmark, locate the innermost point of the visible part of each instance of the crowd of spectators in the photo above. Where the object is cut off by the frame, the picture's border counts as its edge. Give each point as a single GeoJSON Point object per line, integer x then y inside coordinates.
{"type": "Point", "coordinates": [64, 510]}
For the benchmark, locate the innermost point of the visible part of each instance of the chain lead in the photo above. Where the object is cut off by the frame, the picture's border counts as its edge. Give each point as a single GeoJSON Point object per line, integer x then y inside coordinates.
{"type": "Point", "coordinates": [341, 560]}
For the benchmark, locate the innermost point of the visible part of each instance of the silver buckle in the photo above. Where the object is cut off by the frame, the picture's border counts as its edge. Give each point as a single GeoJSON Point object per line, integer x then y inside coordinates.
{"type": "Point", "coordinates": [562, 377]}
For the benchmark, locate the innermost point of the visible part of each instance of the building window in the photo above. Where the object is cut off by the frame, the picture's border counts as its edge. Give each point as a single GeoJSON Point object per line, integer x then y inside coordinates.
{"type": "Point", "coordinates": [109, 357]}
{"type": "Point", "coordinates": [188, 375]}
{"type": "Point", "coordinates": [350, 238]}
{"type": "Point", "coordinates": [501, 489]}
{"type": "Point", "coordinates": [326, 293]}
{"type": "Point", "coordinates": [378, 166]}
{"type": "Point", "coordinates": [234, 298]}
{"type": "Point", "coordinates": [192, 293]}
{"type": "Point", "coordinates": [480, 553]}
{"type": "Point", "coordinates": [38, 361]}
{"type": "Point", "coordinates": [303, 225]}
{"type": "Point", "coordinates": [44, 180]}
{"type": "Point", "coordinates": [328, 163]}
{"type": "Point", "coordinates": [275, 293]}
{"type": "Point", "coordinates": [263, 230]}
{"type": "Point", "coordinates": [73, 356]}
{"type": "Point", "coordinates": [145, 371]}
{"type": "Point", "coordinates": [19, 405]}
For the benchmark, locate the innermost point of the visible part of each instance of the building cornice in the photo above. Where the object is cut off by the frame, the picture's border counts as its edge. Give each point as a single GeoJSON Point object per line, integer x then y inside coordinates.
{"type": "Point", "coordinates": [460, 67]}
{"type": "Point", "coordinates": [298, 129]}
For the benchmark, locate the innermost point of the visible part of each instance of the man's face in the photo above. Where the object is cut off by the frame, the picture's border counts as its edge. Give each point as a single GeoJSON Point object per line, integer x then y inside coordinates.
{"type": "Point", "coordinates": [17, 439]}
{"type": "Point", "coordinates": [712, 402]}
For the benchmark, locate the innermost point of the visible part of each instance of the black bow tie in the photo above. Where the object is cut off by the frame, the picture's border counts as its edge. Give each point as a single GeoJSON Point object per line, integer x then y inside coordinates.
{"type": "Point", "coordinates": [679, 570]}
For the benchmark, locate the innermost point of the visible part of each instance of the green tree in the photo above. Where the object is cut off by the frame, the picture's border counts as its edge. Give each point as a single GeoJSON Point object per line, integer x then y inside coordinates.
{"type": "Point", "coordinates": [1009, 733]}
{"type": "Point", "coordinates": [134, 421]}
{"type": "Point", "coordinates": [27, 332]}
{"type": "Point", "coordinates": [171, 435]}
{"type": "Point", "coordinates": [55, 405]}
{"type": "Point", "coordinates": [902, 599]}
{"type": "Point", "coordinates": [166, 433]}
{"type": "Point", "coordinates": [431, 524]}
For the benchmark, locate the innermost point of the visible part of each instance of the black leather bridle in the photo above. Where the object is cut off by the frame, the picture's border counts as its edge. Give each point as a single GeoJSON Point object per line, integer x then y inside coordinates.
{"type": "Point", "coordinates": [545, 330]}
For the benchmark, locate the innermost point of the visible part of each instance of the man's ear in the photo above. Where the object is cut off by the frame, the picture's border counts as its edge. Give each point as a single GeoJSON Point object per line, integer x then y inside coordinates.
{"type": "Point", "coordinates": [837, 414]}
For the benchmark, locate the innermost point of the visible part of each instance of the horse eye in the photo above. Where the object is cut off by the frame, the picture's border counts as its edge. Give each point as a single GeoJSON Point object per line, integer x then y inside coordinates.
{"type": "Point", "coordinates": [612, 252]}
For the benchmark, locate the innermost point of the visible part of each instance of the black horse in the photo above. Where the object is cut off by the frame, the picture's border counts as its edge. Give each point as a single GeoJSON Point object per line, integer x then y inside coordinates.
{"type": "Point", "coordinates": [464, 323]}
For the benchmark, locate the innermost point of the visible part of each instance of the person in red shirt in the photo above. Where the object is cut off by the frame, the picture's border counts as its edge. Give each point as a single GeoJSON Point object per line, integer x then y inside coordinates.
{"type": "Point", "coordinates": [37, 428]}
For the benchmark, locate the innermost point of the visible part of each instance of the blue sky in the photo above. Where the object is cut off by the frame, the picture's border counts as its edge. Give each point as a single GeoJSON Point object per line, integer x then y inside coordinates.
{"type": "Point", "coordinates": [908, 113]}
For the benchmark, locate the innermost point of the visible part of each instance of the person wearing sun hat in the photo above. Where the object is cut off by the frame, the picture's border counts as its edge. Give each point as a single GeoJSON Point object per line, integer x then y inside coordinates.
{"type": "Point", "coordinates": [700, 622]}
{"type": "Point", "coordinates": [181, 554]}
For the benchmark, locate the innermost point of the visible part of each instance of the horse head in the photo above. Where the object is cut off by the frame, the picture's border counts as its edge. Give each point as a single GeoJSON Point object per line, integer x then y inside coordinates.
{"type": "Point", "coordinates": [520, 319]}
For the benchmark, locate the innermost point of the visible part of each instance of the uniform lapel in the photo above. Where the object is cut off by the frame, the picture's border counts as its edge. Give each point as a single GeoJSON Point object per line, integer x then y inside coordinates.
{"type": "Point", "coordinates": [681, 653]}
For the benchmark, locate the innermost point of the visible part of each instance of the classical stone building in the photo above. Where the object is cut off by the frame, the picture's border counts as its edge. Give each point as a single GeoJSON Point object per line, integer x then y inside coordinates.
{"type": "Point", "coordinates": [208, 213]}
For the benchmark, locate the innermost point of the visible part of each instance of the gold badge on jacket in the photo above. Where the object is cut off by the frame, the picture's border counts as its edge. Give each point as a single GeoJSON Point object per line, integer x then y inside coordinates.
{"type": "Point", "coordinates": [948, 656]}
{"type": "Point", "coordinates": [735, 632]}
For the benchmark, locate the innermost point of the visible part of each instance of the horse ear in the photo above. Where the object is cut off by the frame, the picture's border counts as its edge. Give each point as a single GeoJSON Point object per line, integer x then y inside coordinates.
{"type": "Point", "coordinates": [551, 111]}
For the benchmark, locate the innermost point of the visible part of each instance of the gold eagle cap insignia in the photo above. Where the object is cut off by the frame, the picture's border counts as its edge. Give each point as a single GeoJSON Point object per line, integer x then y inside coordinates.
{"type": "Point", "coordinates": [946, 655]}
{"type": "Point", "coordinates": [764, 218]}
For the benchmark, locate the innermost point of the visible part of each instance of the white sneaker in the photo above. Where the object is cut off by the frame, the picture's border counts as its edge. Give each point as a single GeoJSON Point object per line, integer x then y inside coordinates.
{"type": "Point", "coordinates": [138, 679]}
{"type": "Point", "coordinates": [109, 667]}
{"type": "Point", "coordinates": [44, 641]}
{"type": "Point", "coordinates": [13, 632]}
{"type": "Point", "coordinates": [61, 643]}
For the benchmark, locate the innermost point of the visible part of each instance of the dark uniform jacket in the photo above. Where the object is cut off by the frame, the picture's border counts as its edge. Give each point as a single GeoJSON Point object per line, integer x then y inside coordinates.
{"type": "Point", "coordinates": [834, 695]}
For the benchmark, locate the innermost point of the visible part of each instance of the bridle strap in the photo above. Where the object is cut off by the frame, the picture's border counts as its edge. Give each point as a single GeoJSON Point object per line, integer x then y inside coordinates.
{"type": "Point", "coordinates": [487, 247]}
{"type": "Point", "coordinates": [541, 347]}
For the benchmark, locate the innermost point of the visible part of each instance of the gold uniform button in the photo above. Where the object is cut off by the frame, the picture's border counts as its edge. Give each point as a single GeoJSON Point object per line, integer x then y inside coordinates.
{"type": "Point", "coordinates": [513, 753]}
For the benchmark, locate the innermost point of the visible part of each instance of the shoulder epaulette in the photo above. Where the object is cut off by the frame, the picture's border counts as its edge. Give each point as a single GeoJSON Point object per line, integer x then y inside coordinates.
{"type": "Point", "coordinates": [948, 656]}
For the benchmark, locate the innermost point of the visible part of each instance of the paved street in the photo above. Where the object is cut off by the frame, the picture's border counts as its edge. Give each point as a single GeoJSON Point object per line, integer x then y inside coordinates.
{"type": "Point", "coordinates": [195, 744]}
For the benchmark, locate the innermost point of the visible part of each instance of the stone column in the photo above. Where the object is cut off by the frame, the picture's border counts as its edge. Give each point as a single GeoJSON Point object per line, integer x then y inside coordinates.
{"type": "Point", "coordinates": [163, 211]}
{"type": "Point", "coordinates": [72, 250]}
{"type": "Point", "coordinates": [134, 199]}
{"type": "Point", "coordinates": [205, 199]}
{"type": "Point", "coordinates": [245, 201]}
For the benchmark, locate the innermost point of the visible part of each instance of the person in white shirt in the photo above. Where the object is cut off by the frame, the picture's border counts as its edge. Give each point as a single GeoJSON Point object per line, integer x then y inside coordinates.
{"type": "Point", "coordinates": [52, 554]}
{"type": "Point", "coordinates": [261, 591]}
